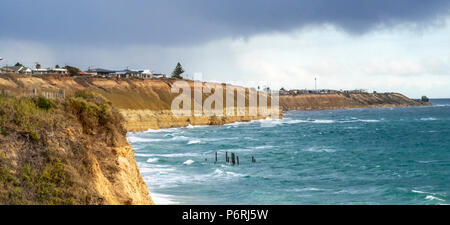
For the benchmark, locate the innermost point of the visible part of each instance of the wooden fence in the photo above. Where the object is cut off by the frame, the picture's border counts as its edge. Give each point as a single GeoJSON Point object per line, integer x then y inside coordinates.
{"type": "Point", "coordinates": [60, 94]}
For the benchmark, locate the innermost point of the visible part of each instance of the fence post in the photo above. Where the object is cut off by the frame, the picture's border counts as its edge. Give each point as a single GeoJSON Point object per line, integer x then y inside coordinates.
{"type": "Point", "coordinates": [62, 93]}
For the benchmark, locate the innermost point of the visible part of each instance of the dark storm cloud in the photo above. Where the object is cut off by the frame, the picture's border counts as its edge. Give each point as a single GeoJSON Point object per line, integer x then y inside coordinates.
{"type": "Point", "coordinates": [169, 22]}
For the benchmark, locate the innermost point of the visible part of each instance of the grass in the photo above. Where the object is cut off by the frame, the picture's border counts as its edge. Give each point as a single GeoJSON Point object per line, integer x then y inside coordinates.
{"type": "Point", "coordinates": [43, 103]}
{"type": "Point", "coordinates": [24, 114]}
{"type": "Point", "coordinates": [40, 163]}
{"type": "Point", "coordinates": [93, 110]}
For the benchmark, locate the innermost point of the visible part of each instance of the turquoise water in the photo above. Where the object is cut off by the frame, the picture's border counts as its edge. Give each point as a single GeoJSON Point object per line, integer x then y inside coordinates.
{"type": "Point", "coordinates": [355, 156]}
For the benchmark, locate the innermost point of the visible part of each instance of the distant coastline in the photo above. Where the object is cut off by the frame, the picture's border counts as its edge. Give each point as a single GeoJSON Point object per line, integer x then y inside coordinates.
{"type": "Point", "coordinates": [145, 103]}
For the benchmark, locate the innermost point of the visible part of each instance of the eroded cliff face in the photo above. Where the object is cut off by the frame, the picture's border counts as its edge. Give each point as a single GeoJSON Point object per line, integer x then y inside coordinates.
{"type": "Point", "coordinates": [344, 101]}
{"type": "Point", "coordinates": [146, 104]}
{"type": "Point", "coordinates": [141, 120]}
{"type": "Point", "coordinates": [69, 151]}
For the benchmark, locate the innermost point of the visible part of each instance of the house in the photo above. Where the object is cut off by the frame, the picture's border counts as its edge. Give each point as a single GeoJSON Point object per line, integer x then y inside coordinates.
{"type": "Point", "coordinates": [146, 73]}
{"type": "Point", "coordinates": [159, 75]}
{"type": "Point", "coordinates": [60, 71]}
{"type": "Point", "coordinates": [127, 73]}
{"type": "Point", "coordinates": [283, 92]}
{"type": "Point", "coordinates": [294, 92]}
{"type": "Point", "coordinates": [16, 69]}
{"type": "Point", "coordinates": [40, 71]}
{"type": "Point", "coordinates": [82, 73]}
{"type": "Point", "coordinates": [101, 72]}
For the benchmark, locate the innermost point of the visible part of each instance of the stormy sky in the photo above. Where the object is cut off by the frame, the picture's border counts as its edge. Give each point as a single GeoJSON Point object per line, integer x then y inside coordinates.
{"type": "Point", "coordinates": [381, 45]}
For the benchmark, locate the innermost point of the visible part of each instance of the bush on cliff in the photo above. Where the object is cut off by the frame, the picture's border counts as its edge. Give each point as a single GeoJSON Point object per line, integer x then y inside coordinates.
{"type": "Point", "coordinates": [48, 148]}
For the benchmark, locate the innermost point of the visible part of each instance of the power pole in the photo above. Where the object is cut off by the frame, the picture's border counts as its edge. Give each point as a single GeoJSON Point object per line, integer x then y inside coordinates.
{"type": "Point", "coordinates": [315, 84]}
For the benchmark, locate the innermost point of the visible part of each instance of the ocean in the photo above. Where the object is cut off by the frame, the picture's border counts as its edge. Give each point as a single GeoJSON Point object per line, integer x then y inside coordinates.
{"type": "Point", "coordinates": [351, 156]}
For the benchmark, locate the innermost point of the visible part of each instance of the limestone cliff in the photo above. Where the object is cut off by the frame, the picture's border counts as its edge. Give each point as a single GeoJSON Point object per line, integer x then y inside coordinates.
{"type": "Point", "coordinates": [146, 103]}
{"type": "Point", "coordinates": [69, 151]}
{"type": "Point", "coordinates": [343, 101]}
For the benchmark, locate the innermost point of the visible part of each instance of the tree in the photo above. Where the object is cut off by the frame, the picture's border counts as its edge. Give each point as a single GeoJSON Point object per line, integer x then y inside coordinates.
{"type": "Point", "coordinates": [38, 66]}
{"type": "Point", "coordinates": [57, 66]}
{"type": "Point", "coordinates": [177, 72]}
{"type": "Point", "coordinates": [18, 64]}
{"type": "Point", "coordinates": [73, 71]}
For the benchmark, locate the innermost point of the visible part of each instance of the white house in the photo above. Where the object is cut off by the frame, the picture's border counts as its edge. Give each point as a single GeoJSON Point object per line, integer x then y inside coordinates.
{"type": "Point", "coordinates": [59, 71]}
{"type": "Point", "coordinates": [40, 71]}
{"type": "Point", "coordinates": [16, 69]}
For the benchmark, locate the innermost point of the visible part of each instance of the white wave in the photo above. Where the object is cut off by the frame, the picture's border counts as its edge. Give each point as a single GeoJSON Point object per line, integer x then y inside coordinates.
{"type": "Point", "coordinates": [160, 130]}
{"type": "Point", "coordinates": [323, 121]}
{"type": "Point", "coordinates": [188, 162]}
{"type": "Point", "coordinates": [179, 138]}
{"type": "Point", "coordinates": [315, 149]}
{"type": "Point", "coordinates": [190, 126]}
{"type": "Point", "coordinates": [262, 147]}
{"type": "Point", "coordinates": [169, 155]}
{"type": "Point", "coordinates": [441, 105]}
{"type": "Point", "coordinates": [270, 122]}
{"type": "Point", "coordinates": [234, 174]}
{"type": "Point", "coordinates": [275, 122]}
{"type": "Point", "coordinates": [162, 199]}
{"type": "Point", "coordinates": [370, 121]}
{"type": "Point", "coordinates": [227, 173]}
{"type": "Point", "coordinates": [195, 141]}
{"type": "Point", "coordinates": [431, 197]}
{"type": "Point", "coordinates": [428, 119]}
{"type": "Point", "coordinates": [134, 139]}
{"type": "Point", "coordinates": [306, 189]}
{"type": "Point", "coordinates": [156, 170]}
{"type": "Point", "coordinates": [236, 124]}
{"type": "Point", "coordinates": [426, 161]}
{"type": "Point", "coordinates": [152, 160]}
{"type": "Point", "coordinates": [290, 121]}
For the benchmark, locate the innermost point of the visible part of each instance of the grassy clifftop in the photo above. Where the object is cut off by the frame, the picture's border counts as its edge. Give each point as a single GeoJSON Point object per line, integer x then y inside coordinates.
{"type": "Point", "coordinates": [344, 101]}
{"type": "Point", "coordinates": [143, 103]}
{"type": "Point", "coordinates": [146, 103]}
{"type": "Point", "coordinates": [70, 151]}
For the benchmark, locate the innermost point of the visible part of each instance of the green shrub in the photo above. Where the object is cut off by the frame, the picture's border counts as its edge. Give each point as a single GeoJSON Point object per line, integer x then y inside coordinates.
{"type": "Point", "coordinates": [51, 182]}
{"type": "Point", "coordinates": [87, 112]}
{"type": "Point", "coordinates": [44, 103]}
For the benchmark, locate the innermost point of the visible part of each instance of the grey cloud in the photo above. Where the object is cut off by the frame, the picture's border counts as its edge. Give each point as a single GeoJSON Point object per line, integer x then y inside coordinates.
{"type": "Point", "coordinates": [182, 22]}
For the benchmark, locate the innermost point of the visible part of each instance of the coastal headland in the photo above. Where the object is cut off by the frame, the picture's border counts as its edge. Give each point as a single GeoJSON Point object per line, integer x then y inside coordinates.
{"type": "Point", "coordinates": [346, 101]}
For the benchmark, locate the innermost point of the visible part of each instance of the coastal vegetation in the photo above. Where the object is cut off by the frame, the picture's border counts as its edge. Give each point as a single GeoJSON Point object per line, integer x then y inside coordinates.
{"type": "Point", "coordinates": [65, 151]}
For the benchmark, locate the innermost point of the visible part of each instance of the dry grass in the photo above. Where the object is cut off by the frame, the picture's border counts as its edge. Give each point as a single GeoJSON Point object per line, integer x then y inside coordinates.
{"type": "Point", "coordinates": [48, 147]}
